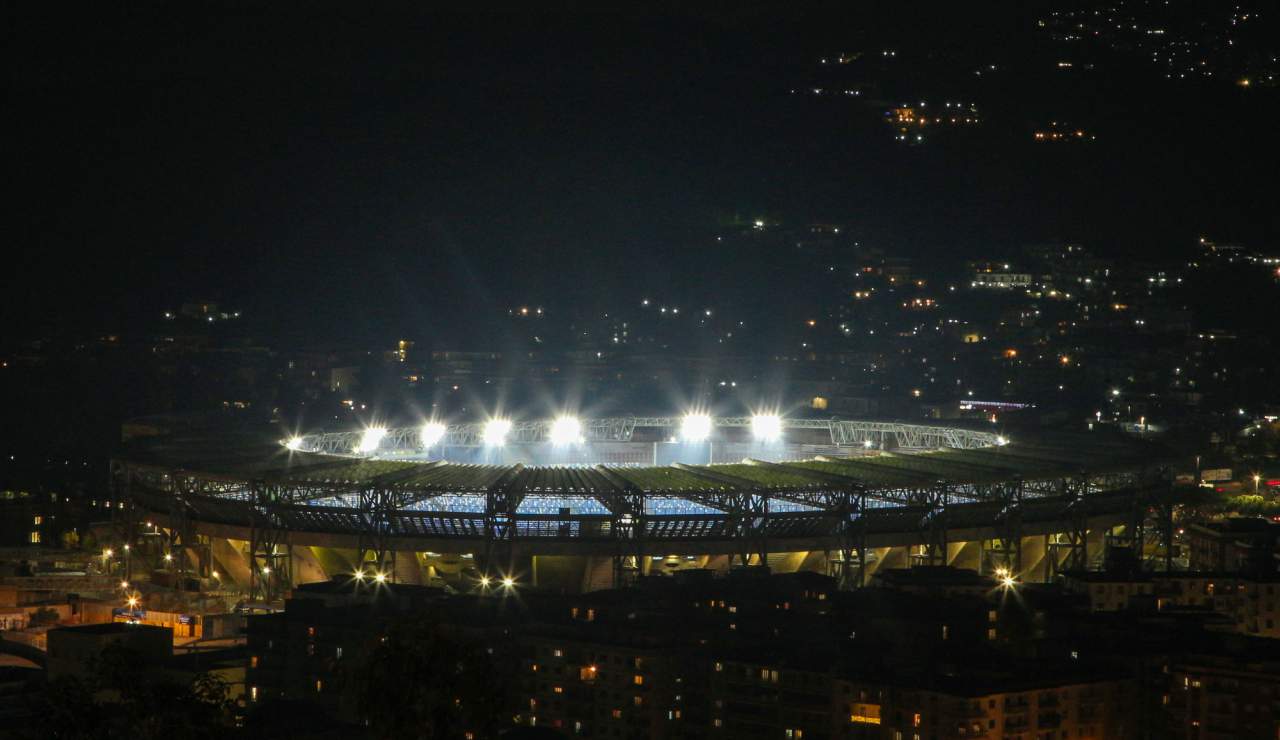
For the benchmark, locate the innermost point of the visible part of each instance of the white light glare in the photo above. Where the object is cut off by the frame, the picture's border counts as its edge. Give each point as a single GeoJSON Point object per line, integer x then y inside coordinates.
{"type": "Point", "coordinates": [294, 443]}
{"type": "Point", "coordinates": [566, 431]}
{"type": "Point", "coordinates": [766, 427]}
{"type": "Point", "coordinates": [1002, 441]}
{"type": "Point", "coordinates": [695, 427]}
{"type": "Point", "coordinates": [508, 582]}
{"type": "Point", "coordinates": [370, 440]}
{"type": "Point", "coordinates": [431, 434]}
{"type": "Point", "coordinates": [495, 432]}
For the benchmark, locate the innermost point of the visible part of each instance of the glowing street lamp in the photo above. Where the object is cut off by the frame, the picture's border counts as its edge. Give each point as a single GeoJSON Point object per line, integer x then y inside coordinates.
{"type": "Point", "coordinates": [380, 577]}
{"type": "Point", "coordinates": [293, 444]}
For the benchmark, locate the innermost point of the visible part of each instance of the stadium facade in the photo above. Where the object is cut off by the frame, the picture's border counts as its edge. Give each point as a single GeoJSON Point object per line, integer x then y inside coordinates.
{"type": "Point", "coordinates": [587, 504]}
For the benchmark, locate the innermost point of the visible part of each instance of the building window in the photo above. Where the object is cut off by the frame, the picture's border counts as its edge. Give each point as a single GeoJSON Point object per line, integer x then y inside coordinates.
{"type": "Point", "coordinates": [719, 666]}
{"type": "Point", "coordinates": [337, 653]}
{"type": "Point", "coordinates": [638, 680]}
{"type": "Point", "coordinates": [37, 521]}
{"type": "Point", "coordinates": [557, 652]}
{"type": "Point", "coordinates": [617, 714]}
{"type": "Point", "coordinates": [35, 538]}
{"type": "Point", "coordinates": [253, 661]}
{"type": "Point", "coordinates": [637, 701]}
{"type": "Point", "coordinates": [319, 685]}
{"type": "Point", "coordinates": [253, 693]}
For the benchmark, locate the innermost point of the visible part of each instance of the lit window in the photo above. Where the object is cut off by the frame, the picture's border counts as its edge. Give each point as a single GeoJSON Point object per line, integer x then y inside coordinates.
{"type": "Point", "coordinates": [253, 693]}
{"type": "Point", "coordinates": [638, 680]}
{"type": "Point", "coordinates": [319, 685]}
{"type": "Point", "coordinates": [557, 652]}
{"type": "Point", "coordinates": [35, 538]}
{"type": "Point", "coordinates": [37, 521]}
{"type": "Point", "coordinates": [253, 661]}
{"type": "Point", "coordinates": [617, 714]}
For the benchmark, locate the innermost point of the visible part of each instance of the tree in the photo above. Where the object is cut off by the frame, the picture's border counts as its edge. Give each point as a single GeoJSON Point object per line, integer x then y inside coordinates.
{"type": "Point", "coordinates": [43, 616]}
{"type": "Point", "coordinates": [122, 699]}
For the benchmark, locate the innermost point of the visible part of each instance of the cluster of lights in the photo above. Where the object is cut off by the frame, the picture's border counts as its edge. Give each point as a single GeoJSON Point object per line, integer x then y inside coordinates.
{"type": "Point", "coordinates": [506, 582]}
{"type": "Point", "coordinates": [766, 427]}
{"type": "Point", "coordinates": [370, 440]}
{"type": "Point", "coordinates": [1006, 579]}
{"type": "Point", "coordinates": [495, 432]}
{"type": "Point", "coordinates": [566, 430]}
{"type": "Point", "coordinates": [563, 431]}
{"type": "Point", "coordinates": [431, 434]}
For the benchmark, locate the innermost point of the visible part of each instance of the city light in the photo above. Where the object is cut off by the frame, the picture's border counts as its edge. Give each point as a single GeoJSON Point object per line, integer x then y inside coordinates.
{"type": "Point", "coordinates": [380, 577]}
{"type": "Point", "coordinates": [868, 444]}
{"type": "Point", "coordinates": [133, 602]}
{"type": "Point", "coordinates": [107, 553]}
{"type": "Point", "coordinates": [495, 432]}
{"type": "Point", "coordinates": [358, 575]}
{"type": "Point", "coordinates": [1008, 582]}
{"type": "Point", "coordinates": [168, 557]}
{"type": "Point", "coordinates": [1002, 441]}
{"type": "Point", "coordinates": [294, 443]}
{"type": "Point", "coordinates": [124, 584]}
{"type": "Point", "coordinates": [766, 427]}
{"type": "Point", "coordinates": [508, 582]}
{"type": "Point", "coordinates": [266, 570]}
{"type": "Point", "coordinates": [485, 581]}
{"type": "Point", "coordinates": [695, 428]}
{"type": "Point", "coordinates": [566, 431]}
{"type": "Point", "coordinates": [370, 440]}
{"type": "Point", "coordinates": [431, 434]}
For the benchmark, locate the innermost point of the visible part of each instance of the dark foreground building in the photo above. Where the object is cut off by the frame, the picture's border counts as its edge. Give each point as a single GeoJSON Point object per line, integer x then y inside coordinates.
{"type": "Point", "coordinates": [744, 656]}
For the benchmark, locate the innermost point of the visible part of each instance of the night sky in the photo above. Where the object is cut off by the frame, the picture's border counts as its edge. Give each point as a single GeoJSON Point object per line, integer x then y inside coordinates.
{"type": "Point", "coordinates": [348, 174]}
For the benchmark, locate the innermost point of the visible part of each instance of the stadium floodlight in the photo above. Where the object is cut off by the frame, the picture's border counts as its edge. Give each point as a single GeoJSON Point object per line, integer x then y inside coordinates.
{"type": "Point", "coordinates": [495, 432]}
{"type": "Point", "coordinates": [695, 428]}
{"type": "Point", "coordinates": [766, 427]}
{"type": "Point", "coordinates": [566, 431]}
{"type": "Point", "coordinates": [294, 444]}
{"type": "Point", "coordinates": [370, 440]}
{"type": "Point", "coordinates": [431, 434]}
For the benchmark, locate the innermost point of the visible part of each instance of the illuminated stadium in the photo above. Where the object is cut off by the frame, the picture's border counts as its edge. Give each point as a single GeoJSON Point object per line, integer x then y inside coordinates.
{"type": "Point", "coordinates": [582, 504]}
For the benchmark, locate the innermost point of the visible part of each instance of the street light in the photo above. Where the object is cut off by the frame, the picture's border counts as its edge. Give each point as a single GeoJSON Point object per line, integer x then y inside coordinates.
{"type": "Point", "coordinates": [1256, 479]}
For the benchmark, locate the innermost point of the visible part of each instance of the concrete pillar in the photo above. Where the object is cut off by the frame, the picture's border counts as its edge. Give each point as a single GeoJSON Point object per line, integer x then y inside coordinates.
{"type": "Point", "coordinates": [230, 561]}
{"type": "Point", "coordinates": [408, 569]}
{"type": "Point", "coordinates": [1097, 545]}
{"type": "Point", "coordinates": [306, 566]}
{"type": "Point", "coordinates": [1034, 566]}
{"type": "Point", "coordinates": [967, 555]}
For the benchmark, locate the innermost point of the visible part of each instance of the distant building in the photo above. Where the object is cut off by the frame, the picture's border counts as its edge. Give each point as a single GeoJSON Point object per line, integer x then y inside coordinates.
{"type": "Point", "coordinates": [72, 650]}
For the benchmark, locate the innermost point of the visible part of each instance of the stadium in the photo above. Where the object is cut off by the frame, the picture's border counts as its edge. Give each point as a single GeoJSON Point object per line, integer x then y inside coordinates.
{"type": "Point", "coordinates": [583, 504]}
